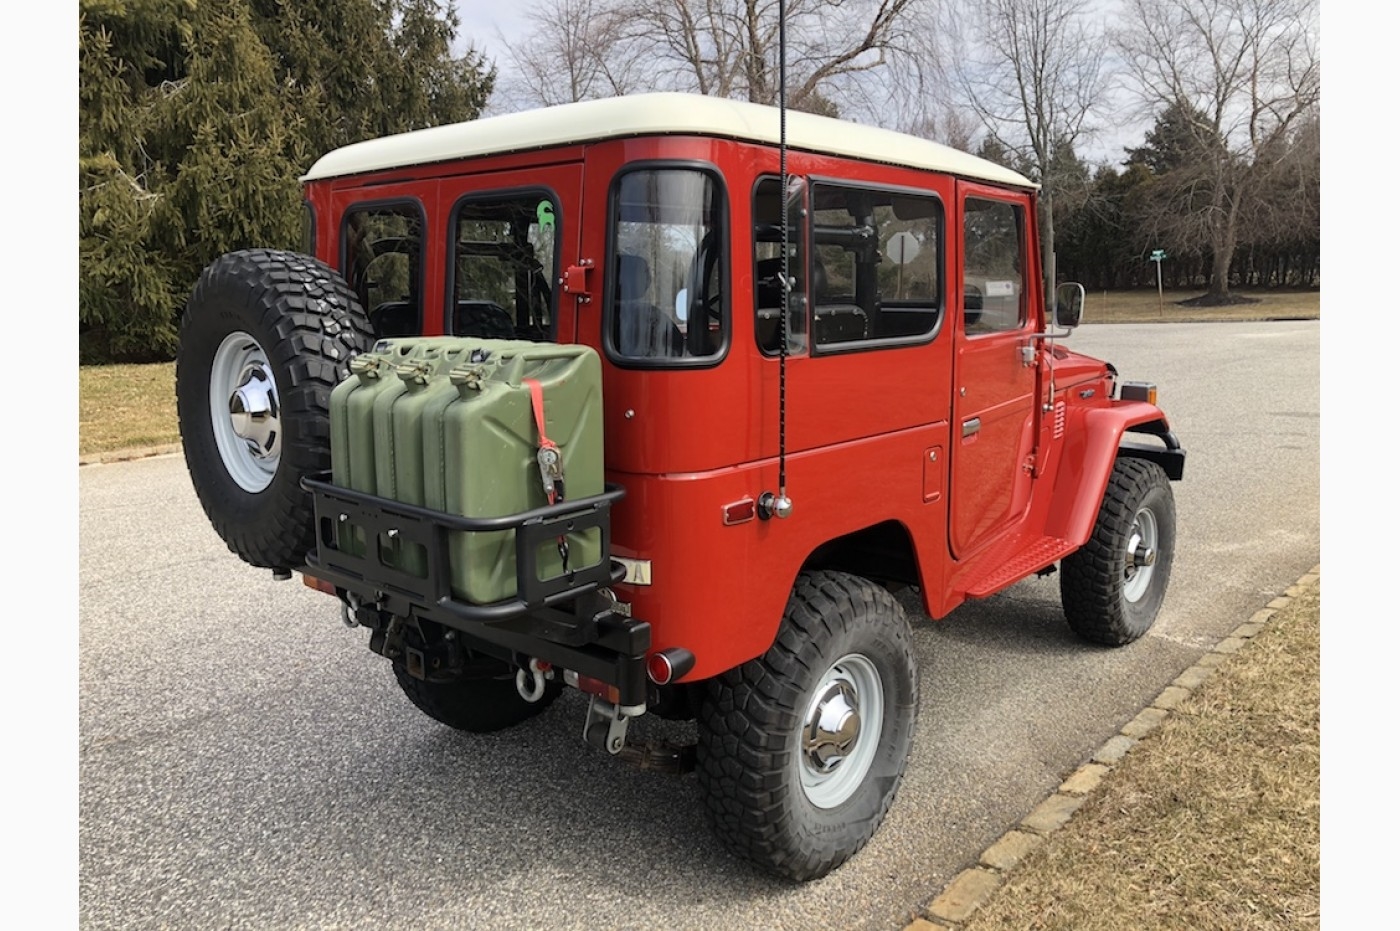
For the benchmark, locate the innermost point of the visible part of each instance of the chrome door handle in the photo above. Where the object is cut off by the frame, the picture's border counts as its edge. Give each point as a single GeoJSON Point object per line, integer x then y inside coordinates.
{"type": "Point", "coordinates": [972, 426]}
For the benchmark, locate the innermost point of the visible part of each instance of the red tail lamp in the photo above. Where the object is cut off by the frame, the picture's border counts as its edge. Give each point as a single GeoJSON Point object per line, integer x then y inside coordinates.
{"type": "Point", "coordinates": [665, 666]}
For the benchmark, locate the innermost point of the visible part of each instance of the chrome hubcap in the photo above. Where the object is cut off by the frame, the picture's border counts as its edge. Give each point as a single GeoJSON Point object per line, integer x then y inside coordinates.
{"type": "Point", "coordinates": [1141, 555]}
{"type": "Point", "coordinates": [832, 728]}
{"type": "Point", "coordinates": [253, 412]}
{"type": "Point", "coordinates": [244, 412]}
{"type": "Point", "coordinates": [841, 731]}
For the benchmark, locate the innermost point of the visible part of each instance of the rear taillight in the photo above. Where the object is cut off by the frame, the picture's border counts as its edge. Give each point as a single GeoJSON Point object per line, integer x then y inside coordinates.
{"type": "Point", "coordinates": [665, 666]}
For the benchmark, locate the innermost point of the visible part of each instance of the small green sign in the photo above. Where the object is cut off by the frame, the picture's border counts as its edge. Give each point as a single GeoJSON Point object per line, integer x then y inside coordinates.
{"type": "Point", "coordinates": [1158, 255]}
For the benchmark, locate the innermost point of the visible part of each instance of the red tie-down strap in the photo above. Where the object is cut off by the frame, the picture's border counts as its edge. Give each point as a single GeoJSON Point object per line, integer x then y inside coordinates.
{"type": "Point", "coordinates": [550, 459]}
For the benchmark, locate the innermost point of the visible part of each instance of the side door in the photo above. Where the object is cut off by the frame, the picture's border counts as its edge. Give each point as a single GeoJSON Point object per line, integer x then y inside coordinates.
{"type": "Point", "coordinates": [994, 388]}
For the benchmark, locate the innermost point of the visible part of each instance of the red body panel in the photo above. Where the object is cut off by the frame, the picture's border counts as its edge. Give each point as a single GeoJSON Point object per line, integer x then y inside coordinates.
{"type": "Point", "coordinates": [873, 435]}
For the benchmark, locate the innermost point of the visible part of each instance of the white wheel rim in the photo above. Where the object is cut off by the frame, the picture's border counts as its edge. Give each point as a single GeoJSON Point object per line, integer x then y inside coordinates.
{"type": "Point", "coordinates": [1140, 555]}
{"type": "Point", "coordinates": [245, 412]}
{"type": "Point", "coordinates": [841, 731]}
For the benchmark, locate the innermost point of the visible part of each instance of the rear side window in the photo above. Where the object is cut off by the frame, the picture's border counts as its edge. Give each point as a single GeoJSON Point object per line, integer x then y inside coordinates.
{"type": "Point", "coordinates": [383, 262]}
{"type": "Point", "coordinates": [504, 266]}
{"type": "Point", "coordinates": [770, 292]}
{"type": "Point", "coordinates": [877, 260]}
{"type": "Point", "coordinates": [993, 284]}
{"type": "Point", "coordinates": [665, 292]}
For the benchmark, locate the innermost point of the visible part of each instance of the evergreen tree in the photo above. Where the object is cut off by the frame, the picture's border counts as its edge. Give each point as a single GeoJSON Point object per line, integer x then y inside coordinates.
{"type": "Point", "coordinates": [1180, 136]}
{"type": "Point", "coordinates": [197, 118]}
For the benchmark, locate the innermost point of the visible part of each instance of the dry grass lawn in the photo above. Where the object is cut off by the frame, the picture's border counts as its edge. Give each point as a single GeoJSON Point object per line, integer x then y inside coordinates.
{"type": "Point", "coordinates": [1143, 307]}
{"type": "Point", "coordinates": [1212, 823]}
{"type": "Point", "coordinates": [126, 406]}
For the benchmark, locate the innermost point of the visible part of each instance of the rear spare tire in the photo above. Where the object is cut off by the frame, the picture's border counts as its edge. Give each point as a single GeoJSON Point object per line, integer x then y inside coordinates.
{"type": "Point", "coordinates": [265, 337]}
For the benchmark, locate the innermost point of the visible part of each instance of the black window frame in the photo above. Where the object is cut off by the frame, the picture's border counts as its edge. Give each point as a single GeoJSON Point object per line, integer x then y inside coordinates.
{"type": "Point", "coordinates": [725, 273]}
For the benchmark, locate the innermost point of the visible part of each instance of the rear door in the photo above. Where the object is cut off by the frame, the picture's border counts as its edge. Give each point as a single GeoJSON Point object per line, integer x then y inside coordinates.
{"type": "Point", "coordinates": [510, 236]}
{"type": "Point", "coordinates": [994, 389]}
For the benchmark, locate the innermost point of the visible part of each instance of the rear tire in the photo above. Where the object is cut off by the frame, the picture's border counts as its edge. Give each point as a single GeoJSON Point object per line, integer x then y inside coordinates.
{"type": "Point", "coordinates": [801, 751]}
{"type": "Point", "coordinates": [1112, 587]}
{"type": "Point", "coordinates": [265, 337]}
{"type": "Point", "coordinates": [478, 704]}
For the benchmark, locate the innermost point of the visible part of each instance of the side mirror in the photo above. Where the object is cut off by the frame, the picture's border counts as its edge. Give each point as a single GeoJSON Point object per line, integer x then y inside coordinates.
{"type": "Point", "coordinates": [1069, 306]}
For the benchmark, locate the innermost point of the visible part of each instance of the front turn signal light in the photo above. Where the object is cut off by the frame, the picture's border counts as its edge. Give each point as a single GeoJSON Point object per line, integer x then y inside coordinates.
{"type": "Point", "coordinates": [1138, 391]}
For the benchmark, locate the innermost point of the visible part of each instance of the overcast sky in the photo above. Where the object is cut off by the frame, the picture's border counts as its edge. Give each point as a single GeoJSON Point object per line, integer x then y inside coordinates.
{"type": "Point", "coordinates": [486, 23]}
{"type": "Point", "coordinates": [490, 25]}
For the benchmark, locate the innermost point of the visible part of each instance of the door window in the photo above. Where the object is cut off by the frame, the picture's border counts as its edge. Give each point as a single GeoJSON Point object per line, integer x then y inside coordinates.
{"type": "Point", "coordinates": [993, 280]}
{"type": "Point", "coordinates": [504, 266]}
{"type": "Point", "coordinates": [383, 263]}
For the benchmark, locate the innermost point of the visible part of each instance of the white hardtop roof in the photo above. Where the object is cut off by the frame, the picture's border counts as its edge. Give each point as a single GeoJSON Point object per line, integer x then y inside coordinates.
{"type": "Point", "coordinates": [648, 115]}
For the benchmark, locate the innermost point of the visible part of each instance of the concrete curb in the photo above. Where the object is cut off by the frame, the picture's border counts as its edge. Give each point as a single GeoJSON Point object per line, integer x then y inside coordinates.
{"type": "Point", "coordinates": [976, 886]}
{"type": "Point", "coordinates": [126, 455]}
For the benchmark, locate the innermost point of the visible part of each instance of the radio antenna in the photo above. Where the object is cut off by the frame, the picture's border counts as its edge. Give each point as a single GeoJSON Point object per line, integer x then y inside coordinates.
{"type": "Point", "coordinates": [780, 505]}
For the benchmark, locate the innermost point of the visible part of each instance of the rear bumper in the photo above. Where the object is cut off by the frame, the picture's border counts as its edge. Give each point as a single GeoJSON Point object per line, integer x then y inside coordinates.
{"type": "Point", "coordinates": [565, 621]}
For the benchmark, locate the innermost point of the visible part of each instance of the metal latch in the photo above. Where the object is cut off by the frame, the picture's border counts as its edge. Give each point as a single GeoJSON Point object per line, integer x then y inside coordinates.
{"type": "Point", "coordinates": [575, 280]}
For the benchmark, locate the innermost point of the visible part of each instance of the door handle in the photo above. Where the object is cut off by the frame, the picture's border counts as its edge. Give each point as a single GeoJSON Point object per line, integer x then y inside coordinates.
{"type": "Point", "coordinates": [971, 426]}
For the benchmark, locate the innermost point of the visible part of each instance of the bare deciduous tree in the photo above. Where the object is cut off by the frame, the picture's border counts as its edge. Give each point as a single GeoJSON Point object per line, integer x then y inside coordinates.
{"type": "Point", "coordinates": [578, 51]}
{"type": "Point", "coordinates": [1032, 71]}
{"type": "Point", "coordinates": [729, 48]}
{"type": "Point", "coordinates": [722, 48]}
{"type": "Point", "coordinates": [1248, 72]}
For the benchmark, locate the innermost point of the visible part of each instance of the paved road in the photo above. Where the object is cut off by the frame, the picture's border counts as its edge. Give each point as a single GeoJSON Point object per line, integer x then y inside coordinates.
{"type": "Point", "coordinates": [245, 762]}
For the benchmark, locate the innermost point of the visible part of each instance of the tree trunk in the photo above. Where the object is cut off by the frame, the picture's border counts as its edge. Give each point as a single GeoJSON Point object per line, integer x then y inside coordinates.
{"type": "Point", "coordinates": [1047, 248]}
{"type": "Point", "coordinates": [1223, 252]}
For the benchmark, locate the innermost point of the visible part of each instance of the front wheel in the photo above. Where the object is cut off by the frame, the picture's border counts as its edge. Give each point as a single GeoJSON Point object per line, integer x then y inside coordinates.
{"type": "Point", "coordinates": [801, 750]}
{"type": "Point", "coordinates": [1112, 587]}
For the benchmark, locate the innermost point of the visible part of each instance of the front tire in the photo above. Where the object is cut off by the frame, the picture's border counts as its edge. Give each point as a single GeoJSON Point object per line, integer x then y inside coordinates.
{"type": "Point", "coordinates": [801, 750]}
{"type": "Point", "coordinates": [265, 337]}
{"type": "Point", "coordinates": [1112, 587]}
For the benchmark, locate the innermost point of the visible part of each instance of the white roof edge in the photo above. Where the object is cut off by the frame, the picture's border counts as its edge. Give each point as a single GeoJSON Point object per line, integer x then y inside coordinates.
{"type": "Point", "coordinates": [654, 114]}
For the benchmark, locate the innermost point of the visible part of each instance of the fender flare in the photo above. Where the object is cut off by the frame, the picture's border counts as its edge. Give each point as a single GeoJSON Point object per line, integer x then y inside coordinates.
{"type": "Point", "coordinates": [1086, 462]}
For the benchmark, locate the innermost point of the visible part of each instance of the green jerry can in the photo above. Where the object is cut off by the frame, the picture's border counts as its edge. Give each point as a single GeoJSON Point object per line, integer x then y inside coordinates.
{"type": "Point", "coordinates": [449, 423]}
{"type": "Point", "coordinates": [375, 413]}
{"type": "Point", "coordinates": [490, 465]}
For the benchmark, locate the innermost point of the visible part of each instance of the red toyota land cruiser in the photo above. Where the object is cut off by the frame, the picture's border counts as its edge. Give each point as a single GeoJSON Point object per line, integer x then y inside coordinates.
{"type": "Point", "coordinates": [660, 397]}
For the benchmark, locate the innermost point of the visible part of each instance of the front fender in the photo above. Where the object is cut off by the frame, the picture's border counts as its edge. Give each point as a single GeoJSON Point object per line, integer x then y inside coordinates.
{"type": "Point", "coordinates": [1093, 440]}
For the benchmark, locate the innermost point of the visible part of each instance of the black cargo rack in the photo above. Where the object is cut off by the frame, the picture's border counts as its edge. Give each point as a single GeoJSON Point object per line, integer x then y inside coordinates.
{"type": "Point", "coordinates": [370, 577]}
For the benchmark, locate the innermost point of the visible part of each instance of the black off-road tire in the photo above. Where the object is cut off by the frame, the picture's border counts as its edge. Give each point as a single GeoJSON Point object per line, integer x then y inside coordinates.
{"type": "Point", "coordinates": [476, 704]}
{"type": "Point", "coordinates": [764, 798]}
{"type": "Point", "coordinates": [292, 320]}
{"type": "Point", "coordinates": [1105, 598]}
